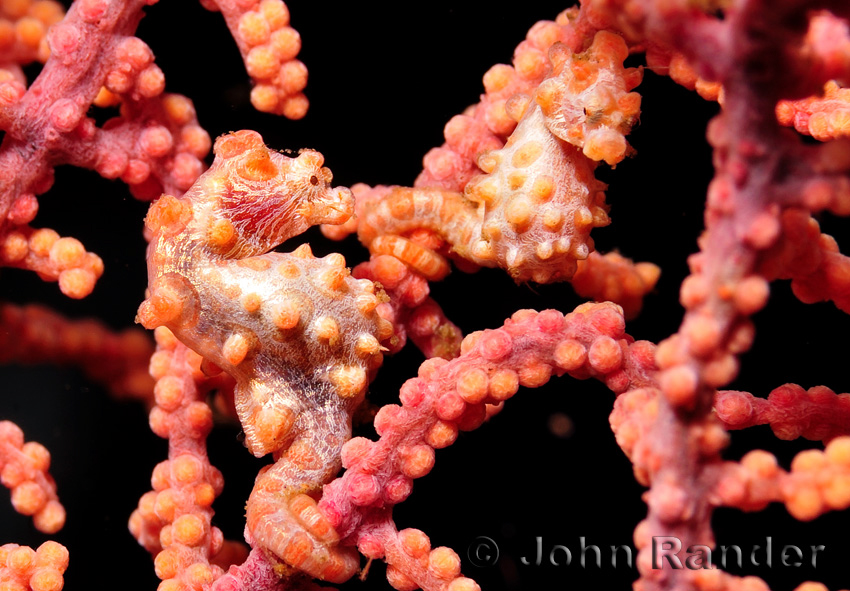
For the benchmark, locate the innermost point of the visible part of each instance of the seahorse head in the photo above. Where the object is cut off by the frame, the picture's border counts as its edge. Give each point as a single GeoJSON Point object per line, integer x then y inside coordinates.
{"type": "Point", "coordinates": [252, 198]}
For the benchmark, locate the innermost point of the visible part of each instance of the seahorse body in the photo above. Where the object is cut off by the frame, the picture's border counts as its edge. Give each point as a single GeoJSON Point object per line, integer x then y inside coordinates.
{"type": "Point", "coordinates": [299, 334]}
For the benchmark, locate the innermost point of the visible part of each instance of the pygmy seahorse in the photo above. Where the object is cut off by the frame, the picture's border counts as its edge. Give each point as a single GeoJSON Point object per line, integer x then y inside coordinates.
{"type": "Point", "coordinates": [300, 336]}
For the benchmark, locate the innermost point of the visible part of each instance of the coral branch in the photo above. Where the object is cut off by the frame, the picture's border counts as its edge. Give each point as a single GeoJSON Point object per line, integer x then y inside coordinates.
{"type": "Point", "coordinates": [818, 413]}
{"type": "Point", "coordinates": [614, 278]}
{"type": "Point", "coordinates": [173, 521]}
{"type": "Point", "coordinates": [822, 117]}
{"type": "Point", "coordinates": [42, 569]}
{"type": "Point", "coordinates": [155, 143]}
{"type": "Point", "coordinates": [268, 46]}
{"type": "Point", "coordinates": [452, 396]}
{"type": "Point", "coordinates": [742, 220]}
{"type": "Point", "coordinates": [64, 133]}
{"type": "Point", "coordinates": [54, 259]}
{"type": "Point", "coordinates": [818, 271]}
{"type": "Point", "coordinates": [411, 311]}
{"type": "Point", "coordinates": [23, 26]}
{"type": "Point", "coordinates": [819, 481]}
{"type": "Point", "coordinates": [34, 334]}
{"type": "Point", "coordinates": [23, 470]}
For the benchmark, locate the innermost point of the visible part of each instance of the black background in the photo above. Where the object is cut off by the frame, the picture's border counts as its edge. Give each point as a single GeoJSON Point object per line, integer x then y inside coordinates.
{"type": "Point", "coordinates": [383, 82]}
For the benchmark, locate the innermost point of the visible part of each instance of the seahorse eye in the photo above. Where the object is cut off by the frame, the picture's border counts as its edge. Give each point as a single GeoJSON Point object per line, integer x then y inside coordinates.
{"type": "Point", "coordinates": [314, 180]}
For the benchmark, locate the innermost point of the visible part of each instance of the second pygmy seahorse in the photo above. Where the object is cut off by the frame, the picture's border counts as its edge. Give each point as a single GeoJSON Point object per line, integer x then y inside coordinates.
{"type": "Point", "coordinates": [300, 336]}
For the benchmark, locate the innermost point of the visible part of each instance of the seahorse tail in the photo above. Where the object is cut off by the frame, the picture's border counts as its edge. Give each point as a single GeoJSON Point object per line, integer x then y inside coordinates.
{"type": "Point", "coordinates": [286, 521]}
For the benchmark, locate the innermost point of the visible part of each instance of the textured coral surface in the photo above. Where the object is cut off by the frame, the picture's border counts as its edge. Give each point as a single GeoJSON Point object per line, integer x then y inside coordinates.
{"type": "Point", "coordinates": [383, 83]}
